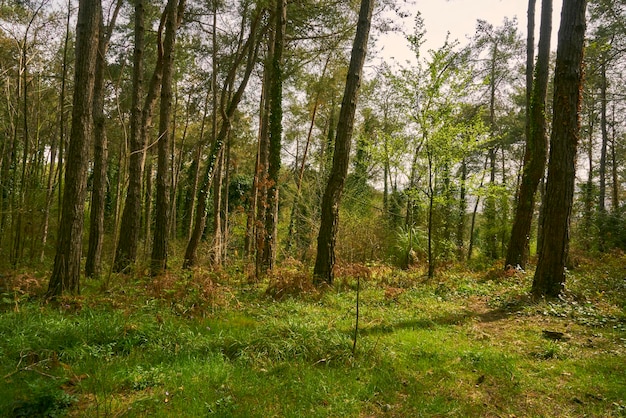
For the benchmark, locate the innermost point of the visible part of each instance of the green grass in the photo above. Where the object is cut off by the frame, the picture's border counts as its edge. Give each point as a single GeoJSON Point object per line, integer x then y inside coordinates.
{"type": "Point", "coordinates": [465, 344]}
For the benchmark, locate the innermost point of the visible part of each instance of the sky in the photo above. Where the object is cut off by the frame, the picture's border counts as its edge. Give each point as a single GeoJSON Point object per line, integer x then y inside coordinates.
{"type": "Point", "coordinates": [459, 18]}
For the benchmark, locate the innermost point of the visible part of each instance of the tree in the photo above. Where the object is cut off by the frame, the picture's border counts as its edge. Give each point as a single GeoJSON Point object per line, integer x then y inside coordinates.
{"type": "Point", "coordinates": [549, 279]}
{"type": "Point", "coordinates": [325, 259]}
{"type": "Point", "coordinates": [96, 216]}
{"type": "Point", "coordinates": [536, 147]}
{"type": "Point", "coordinates": [246, 52]}
{"type": "Point", "coordinates": [502, 45]}
{"type": "Point", "coordinates": [66, 271]}
{"type": "Point", "coordinates": [275, 134]}
{"type": "Point", "coordinates": [447, 131]}
{"type": "Point", "coordinates": [126, 251]}
{"type": "Point", "coordinates": [174, 12]}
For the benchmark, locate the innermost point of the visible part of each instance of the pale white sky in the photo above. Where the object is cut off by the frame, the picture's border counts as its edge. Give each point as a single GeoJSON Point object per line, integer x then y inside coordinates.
{"type": "Point", "coordinates": [459, 18]}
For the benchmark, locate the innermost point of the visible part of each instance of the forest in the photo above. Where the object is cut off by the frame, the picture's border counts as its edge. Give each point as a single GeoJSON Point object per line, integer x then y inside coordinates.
{"type": "Point", "coordinates": [242, 208]}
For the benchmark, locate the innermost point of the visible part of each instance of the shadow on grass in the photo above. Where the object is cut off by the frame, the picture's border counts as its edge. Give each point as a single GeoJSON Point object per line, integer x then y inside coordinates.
{"type": "Point", "coordinates": [472, 313]}
{"type": "Point", "coordinates": [444, 320]}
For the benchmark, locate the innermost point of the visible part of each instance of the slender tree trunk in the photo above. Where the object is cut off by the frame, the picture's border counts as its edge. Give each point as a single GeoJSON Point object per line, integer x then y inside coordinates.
{"type": "Point", "coordinates": [536, 148]}
{"type": "Point", "coordinates": [588, 193]}
{"type": "Point", "coordinates": [217, 211]}
{"type": "Point", "coordinates": [530, 60]}
{"type": "Point", "coordinates": [549, 279]}
{"type": "Point", "coordinates": [602, 227]}
{"type": "Point", "coordinates": [460, 231]}
{"type": "Point", "coordinates": [126, 251]}
{"type": "Point", "coordinates": [470, 248]}
{"type": "Point", "coordinates": [263, 158]}
{"type": "Point", "coordinates": [61, 139]}
{"type": "Point", "coordinates": [294, 233]}
{"type": "Point", "coordinates": [325, 259]}
{"type": "Point", "coordinates": [225, 203]}
{"type": "Point", "coordinates": [615, 177]}
{"type": "Point", "coordinates": [98, 196]}
{"type": "Point", "coordinates": [96, 216]}
{"type": "Point", "coordinates": [491, 238]}
{"type": "Point", "coordinates": [275, 134]}
{"type": "Point", "coordinates": [250, 52]}
{"type": "Point", "coordinates": [190, 203]}
{"type": "Point", "coordinates": [148, 203]}
{"type": "Point", "coordinates": [161, 227]}
{"type": "Point", "coordinates": [66, 271]}
{"type": "Point", "coordinates": [431, 205]}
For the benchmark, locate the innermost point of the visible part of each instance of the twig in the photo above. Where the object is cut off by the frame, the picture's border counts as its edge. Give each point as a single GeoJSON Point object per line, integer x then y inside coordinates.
{"type": "Point", "coordinates": [356, 325]}
{"type": "Point", "coordinates": [29, 368]}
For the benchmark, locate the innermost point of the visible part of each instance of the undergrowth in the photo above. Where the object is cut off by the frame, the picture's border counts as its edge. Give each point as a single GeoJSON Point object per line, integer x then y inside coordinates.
{"type": "Point", "coordinates": [202, 343]}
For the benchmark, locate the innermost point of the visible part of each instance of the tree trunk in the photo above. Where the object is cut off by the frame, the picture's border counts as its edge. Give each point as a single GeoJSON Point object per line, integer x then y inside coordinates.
{"type": "Point", "coordinates": [161, 226]}
{"type": "Point", "coordinates": [275, 134]}
{"type": "Point", "coordinates": [126, 251]}
{"type": "Point", "coordinates": [250, 52]}
{"type": "Point", "coordinates": [431, 204]}
{"type": "Point", "coordinates": [98, 195]}
{"type": "Point", "coordinates": [602, 218]}
{"type": "Point", "coordinates": [217, 211]}
{"type": "Point", "coordinates": [588, 192]}
{"type": "Point", "coordinates": [148, 203]}
{"type": "Point", "coordinates": [66, 271]}
{"type": "Point", "coordinates": [225, 202]}
{"type": "Point", "coordinates": [491, 237]}
{"type": "Point", "coordinates": [615, 177]}
{"type": "Point", "coordinates": [295, 232]}
{"type": "Point", "coordinates": [56, 146]}
{"type": "Point", "coordinates": [96, 223]}
{"type": "Point", "coordinates": [263, 158]}
{"type": "Point", "coordinates": [470, 248]}
{"type": "Point", "coordinates": [536, 148]}
{"type": "Point", "coordinates": [460, 230]}
{"type": "Point", "coordinates": [549, 277]}
{"type": "Point", "coordinates": [325, 259]}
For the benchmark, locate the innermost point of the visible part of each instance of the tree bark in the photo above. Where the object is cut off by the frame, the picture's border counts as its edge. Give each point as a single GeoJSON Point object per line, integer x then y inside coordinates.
{"type": "Point", "coordinates": [262, 176]}
{"type": "Point", "coordinates": [66, 270]}
{"type": "Point", "coordinates": [250, 52]}
{"type": "Point", "coordinates": [161, 227]}
{"type": "Point", "coordinates": [325, 259]}
{"type": "Point", "coordinates": [549, 279]}
{"type": "Point", "coordinates": [126, 251]}
{"type": "Point", "coordinates": [602, 218]}
{"type": "Point", "coordinates": [275, 131]}
{"type": "Point", "coordinates": [56, 146]}
{"type": "Point", "coordinates": [100, 155]}
{"type": "Point", "coordinates": [536, 148]}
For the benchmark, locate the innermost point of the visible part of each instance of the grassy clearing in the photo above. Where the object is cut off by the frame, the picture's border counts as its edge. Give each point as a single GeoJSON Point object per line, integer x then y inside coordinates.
{"type": "Point", "coordinates": [203, 344]}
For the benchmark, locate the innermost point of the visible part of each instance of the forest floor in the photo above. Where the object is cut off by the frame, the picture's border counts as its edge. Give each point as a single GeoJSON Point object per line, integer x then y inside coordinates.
{"type": "Point", "coordinates": [469, 343]}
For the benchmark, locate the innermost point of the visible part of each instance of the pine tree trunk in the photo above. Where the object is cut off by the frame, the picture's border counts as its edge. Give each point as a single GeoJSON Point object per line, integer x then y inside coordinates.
{"type": "Point", "coordinates": [275, 134]}
{"type": "Point", "coordinates": [325, 259]}
{"type": "Point", "coordinates": [217, 211]}
{"type": "Point", "coordinates": [66, 270]}
{"type": "Point", "coordinates": [126, 251]}
{"type": "Point", "coordinates": [460, 229]}
{"type": "Point", "coordinates": [536, 148]}
{"type": "Point", "coordinates": [615, 177]}
{"type": "Point", "coordinates": [250, 52]}
{"type": "Point", "coordinates": [96, 223]}
{"type": "Point", "coordinates": [161, 226]}
{"type": "Point", "coordinates": [549, 279]}
{"type": "Point", "coordinates": [100, 156]}
{"type": "Point", "coordinates": [59, 145]}
{"type": "Point", "coordinates": [602, 218]}
{"type": "Point", "coordinates": [263, 159]}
